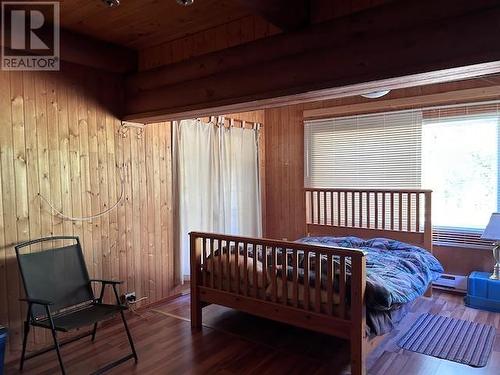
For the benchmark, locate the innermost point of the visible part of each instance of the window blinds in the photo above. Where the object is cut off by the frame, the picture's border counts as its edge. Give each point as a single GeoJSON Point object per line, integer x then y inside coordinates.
{"type": "Point", "coordinates": [366, 151]}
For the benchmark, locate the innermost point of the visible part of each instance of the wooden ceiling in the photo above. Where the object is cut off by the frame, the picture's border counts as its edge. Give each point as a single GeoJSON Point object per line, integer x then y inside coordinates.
{"type": "Point", "coordinates": [143, 23]}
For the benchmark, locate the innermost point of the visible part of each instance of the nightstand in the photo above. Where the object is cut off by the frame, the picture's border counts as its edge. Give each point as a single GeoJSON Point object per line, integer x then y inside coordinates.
{"type": "Point", "coordinates": [482, 292]}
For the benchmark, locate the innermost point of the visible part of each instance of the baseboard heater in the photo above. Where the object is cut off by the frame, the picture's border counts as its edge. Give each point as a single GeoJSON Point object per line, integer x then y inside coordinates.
{"type": "Point", "coordinates": [455, 283]}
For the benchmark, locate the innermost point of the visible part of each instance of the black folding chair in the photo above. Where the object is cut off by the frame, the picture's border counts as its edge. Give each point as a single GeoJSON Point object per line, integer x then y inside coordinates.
{"type": "Point", "coordinates": [60, 297]}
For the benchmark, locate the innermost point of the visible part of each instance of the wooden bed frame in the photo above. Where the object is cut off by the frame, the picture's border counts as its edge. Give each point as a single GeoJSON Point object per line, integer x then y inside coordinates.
{"type": "Point", "coordinates": [404, 215]}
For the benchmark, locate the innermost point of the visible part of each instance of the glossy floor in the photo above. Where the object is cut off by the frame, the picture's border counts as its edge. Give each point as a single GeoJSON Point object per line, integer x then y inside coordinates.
{"type": "Point", "coordinates": [235, 343]}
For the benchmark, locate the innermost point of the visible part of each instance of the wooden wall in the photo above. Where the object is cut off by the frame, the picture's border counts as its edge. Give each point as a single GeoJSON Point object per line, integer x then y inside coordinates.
{"type": "Point", "coordinates": [59, 137]}
{"type": "Point", "coordinates": [284, 171]}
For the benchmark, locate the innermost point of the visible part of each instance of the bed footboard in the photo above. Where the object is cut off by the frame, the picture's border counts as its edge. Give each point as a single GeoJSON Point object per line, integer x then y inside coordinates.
{"type": "Point", "coordinates": [279, 280]}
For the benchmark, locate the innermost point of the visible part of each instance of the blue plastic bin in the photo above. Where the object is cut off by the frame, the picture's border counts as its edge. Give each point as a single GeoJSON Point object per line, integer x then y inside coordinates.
{"type": "Point", "coordinates": [3, 343]}
{"type": "Point", "coordinates": [483, 293]}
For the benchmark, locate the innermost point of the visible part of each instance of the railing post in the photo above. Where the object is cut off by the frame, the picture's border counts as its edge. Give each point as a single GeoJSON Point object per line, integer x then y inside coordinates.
{"type": "Point", "coordinates": [195, 252]}
{"type": "Point", "coordinates": [428, 221]}
{"type": "Point", "coordinates": [428, 231]}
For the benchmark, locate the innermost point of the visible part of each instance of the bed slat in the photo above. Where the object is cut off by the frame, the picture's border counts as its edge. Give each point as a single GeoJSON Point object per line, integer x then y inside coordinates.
{"type": "Point", "coordinates": [342, 283]}
{"type": "Point", "coordinates": [329, 284]}
{"type": "Point", "coordinates": [306, 280]}
{"type": "Point", "coordinates": [245, 269]}
{"type": "Point", "coordinates": [295, 292]}
{"type": "Point", "coordinates": [317, 274]}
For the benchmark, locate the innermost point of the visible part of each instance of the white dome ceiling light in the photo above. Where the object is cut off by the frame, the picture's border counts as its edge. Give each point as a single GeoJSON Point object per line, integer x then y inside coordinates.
{"type": "Point", "coordinates": [375, 94]}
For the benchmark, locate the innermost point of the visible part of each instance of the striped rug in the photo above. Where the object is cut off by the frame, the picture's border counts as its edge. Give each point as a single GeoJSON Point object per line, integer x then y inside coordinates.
{"type": "Point", "coordinates": [456, 340]}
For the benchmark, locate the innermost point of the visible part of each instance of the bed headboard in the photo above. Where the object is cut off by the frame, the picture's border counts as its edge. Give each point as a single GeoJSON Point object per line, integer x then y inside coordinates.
{"type": "Point", "coordinates": [403, 215]}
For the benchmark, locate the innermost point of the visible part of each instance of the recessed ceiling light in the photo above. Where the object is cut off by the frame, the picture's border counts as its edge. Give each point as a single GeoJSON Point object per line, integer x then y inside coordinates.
{"type": "Point", "coordinates": [185, 2]}
{"type": "Point", "coordinates": [111, 3]}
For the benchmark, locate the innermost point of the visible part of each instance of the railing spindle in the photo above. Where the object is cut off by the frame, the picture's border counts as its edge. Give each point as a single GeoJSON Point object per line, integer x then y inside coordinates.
{"type": "Point", "coordinates": [254, 273]}
{"type": "Point", "coordinates": [212, 263]}
{"type": "Point", "coordinates": [325, 211]}
{"type": "Point", "coordinates": [361, 210]}
{"type": "Point", "coordinates": [221, 272]}
{"type": "Point", "coordinates": [329, 285]}
{"type": "Point", "coordinates": [338, 209]}
{"type": "Point", "coordinates": [274, 274]}
{"type": "Point", "coordinates": [331, 208]}
{"type": "Point", "coordinates": [284, 278]}
{"type": "Point", "coordinates": [295, 292]}
{"type": "Point", "coordinates": [417, 212]}
{"type": "Point", "coordinates": [345, 209]}
{"type": "Point", "coordinates": [318, 208]}
{"type": "Point", "coordinates": [204, 256]}
{"type": "Point", "coordinates": [245, 269]}
{"type": "Point", "coordinates": [408, 212]}
{"type": "Point", "coordinates": [353, 209]}
{"type": "Point", "coordinates": [306, 279]}
{"type": "Point", "coordinates": [342, 283]}
{"type": "Point", "coordinates": [264, 271]}
{"type": "Point", "coordinates": [237, 267]}
{"type": "Point", "coordinates": [228, 265]}
{"type": "Point", "coordinates": [400, 211]}
{"type": "Point", "coordinates": [317, 274]}
{"type": "Point", "coordinates": [392, 210]}
{"type": "Point", "coordinates": [368, 210]}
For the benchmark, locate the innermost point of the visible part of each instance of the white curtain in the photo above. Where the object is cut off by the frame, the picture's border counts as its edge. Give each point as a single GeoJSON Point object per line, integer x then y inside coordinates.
{"type": "Point", "coordinates": [217, 180]}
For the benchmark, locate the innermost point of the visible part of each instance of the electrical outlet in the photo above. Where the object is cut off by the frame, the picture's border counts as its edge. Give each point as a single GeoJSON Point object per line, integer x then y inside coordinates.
{"type": "Point", "coordinates": [129, 297]}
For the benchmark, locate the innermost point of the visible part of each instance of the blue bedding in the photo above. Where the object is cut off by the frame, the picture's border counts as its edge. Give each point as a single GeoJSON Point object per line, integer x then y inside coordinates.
{"type": "Point", "coordinates": [396, 272]}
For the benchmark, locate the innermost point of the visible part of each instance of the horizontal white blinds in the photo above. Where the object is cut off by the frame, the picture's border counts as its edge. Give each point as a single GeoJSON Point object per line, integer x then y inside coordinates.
{"type": "Point", "coordinates": [367, 151]}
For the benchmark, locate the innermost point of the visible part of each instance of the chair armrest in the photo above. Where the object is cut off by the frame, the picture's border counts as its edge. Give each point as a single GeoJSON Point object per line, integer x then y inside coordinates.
{"type": "Point", "coordinates": [37, 301]}
{"type": "Point", "coordinates": [112, 282]}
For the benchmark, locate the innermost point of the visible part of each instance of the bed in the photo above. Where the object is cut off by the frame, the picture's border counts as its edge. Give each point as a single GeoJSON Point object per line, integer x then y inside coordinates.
{"type": "Point", "coordinates": [277, 279]}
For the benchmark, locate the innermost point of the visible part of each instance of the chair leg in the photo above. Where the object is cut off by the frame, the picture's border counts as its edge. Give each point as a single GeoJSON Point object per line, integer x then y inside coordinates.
{"type": "Point", "coordinates": [56, 342]}
{"type": "Point", "coordinates": [56, 345]}
{"type": "Point", "coordinates": [25, 342]}
{"type": "Point", "coordinates": [131, 342]}
{"type": "Point", "coordinates": [94, 331]}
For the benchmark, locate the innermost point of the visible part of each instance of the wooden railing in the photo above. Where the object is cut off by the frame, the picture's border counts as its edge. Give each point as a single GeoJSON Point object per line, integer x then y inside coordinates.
{"type": "Point", "coordinates": [403, 214]}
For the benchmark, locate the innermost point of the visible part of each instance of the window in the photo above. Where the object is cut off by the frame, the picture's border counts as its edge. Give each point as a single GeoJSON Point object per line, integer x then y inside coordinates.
{"type": "Point", "coordinates": [452, 150]}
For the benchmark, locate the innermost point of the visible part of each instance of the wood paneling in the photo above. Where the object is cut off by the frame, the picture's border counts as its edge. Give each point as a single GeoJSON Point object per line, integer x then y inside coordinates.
{"type": "Point", "coordinates": [288, 15]}
{"type": "Point", "coordinates": [284, 173]}
{"type": "Point", "coordinates": [331, 59]}
{"type": "Point", "coordinates": [285, 212]}
{"type": "Point", "coordinates": [230, 34]}
{"type": "Point", "coordinates": [59, 137]}
{"type": "Point", "coordinates": [142, 23]}
{"type": "Point", "coordinates": [323, 10]}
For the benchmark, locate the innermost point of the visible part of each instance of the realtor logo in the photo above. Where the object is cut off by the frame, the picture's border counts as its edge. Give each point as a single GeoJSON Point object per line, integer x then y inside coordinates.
{"type": "Point", "coordinates": [30, 35]}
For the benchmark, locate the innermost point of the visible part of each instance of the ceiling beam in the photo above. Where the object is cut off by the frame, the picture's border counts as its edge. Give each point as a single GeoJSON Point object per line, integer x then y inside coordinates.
{"type": "Point", "coordinates": [285, 14]}
{"type": "Point", "coordinates": [435, 47]}
{"type": "Point", "coordinates": [83, 50]}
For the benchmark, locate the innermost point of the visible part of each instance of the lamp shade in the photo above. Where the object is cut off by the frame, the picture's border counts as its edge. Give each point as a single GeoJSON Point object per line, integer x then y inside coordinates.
{"type": "Point", "coordinates": [492, 231]}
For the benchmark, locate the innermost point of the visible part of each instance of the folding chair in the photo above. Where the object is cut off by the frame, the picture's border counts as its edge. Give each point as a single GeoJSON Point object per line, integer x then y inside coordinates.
{"type": "Point", "coordinates": [60, 296]}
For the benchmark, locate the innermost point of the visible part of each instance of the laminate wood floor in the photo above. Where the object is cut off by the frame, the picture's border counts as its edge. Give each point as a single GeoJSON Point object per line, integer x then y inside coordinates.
{"type": "Point", "coordinates": [236, 343]}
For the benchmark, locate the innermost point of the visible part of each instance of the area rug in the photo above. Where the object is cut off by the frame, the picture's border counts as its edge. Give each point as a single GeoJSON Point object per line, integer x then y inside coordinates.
{"type": "Point", "coordinates": [452, 339]}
